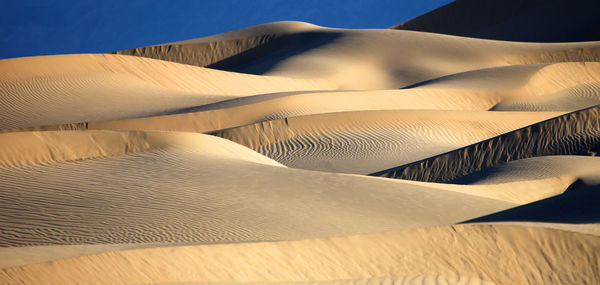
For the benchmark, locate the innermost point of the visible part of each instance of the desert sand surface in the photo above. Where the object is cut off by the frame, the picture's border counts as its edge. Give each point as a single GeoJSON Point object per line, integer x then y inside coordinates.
{"type": "Point", "coordinates": [290, 153]}
{"type": "Point", "coordinates": [521, 255]}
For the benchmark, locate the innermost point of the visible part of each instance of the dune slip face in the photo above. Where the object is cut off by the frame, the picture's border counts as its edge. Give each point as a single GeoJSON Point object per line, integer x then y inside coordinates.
{"type": "Point", "coordinates": [290, 153]}
{"type": "Point", "coordinates": [576, 133]}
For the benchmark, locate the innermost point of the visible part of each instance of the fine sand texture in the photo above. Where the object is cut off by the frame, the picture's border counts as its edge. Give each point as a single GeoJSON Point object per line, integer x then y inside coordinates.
{"type": "Point", "coordinates": [465, 254]}
{"type": "Point", "coordinates": [371, 141]}
{"type": "Point", "coordinates": [289, 153]}
{"type": "Point", "coordinates": [216, 191]}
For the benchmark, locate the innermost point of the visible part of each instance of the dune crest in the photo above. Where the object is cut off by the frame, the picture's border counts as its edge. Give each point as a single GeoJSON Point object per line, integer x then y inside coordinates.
{"type": "Point", "coordinates": [47, 90]}
{"type": "Point", "coordinates": [362, 59]}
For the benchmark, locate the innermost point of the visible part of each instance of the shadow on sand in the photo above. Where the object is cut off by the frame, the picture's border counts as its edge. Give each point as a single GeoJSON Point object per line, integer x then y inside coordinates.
{"type": "Point", "coordinates": [580, 204]}
{"type": "Point", "coordinates": [260, 59]}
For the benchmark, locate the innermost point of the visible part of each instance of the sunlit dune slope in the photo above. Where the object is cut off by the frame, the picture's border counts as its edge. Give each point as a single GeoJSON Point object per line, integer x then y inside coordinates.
{"type": "Point", "coordinates": [536, 179]}
{"type": "Point", "coordinates": [60, 89]}
{"type": "Point", "coordinates": [535, 87]}
{"type": "Point", "coordinates": [252, 109]}
{"type": "Point", "coordinates": [492, 253]}
{"type": "Point", "coordinates": [568, 86]}
{"type": "Point", "coordinates": [199, 188]}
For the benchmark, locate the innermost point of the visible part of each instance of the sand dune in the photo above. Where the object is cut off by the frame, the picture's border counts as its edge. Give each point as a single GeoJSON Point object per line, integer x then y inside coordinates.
{"type": "Point", "coordinates": [574, 133]}
{"type": "Point", "coordinates": [199, 106]}
{"type": "Point", "coordinates": [520, 81]}
{"type": "Point", "coordinates": [32, 148]}
{"type": "Point", "coordinates": [492, 253]}
{"type": "Point", "coordinates": [533, 87]}
{"type": "Point", "coordinates": [259, 108]}
{"type": "Point", "coordinates": [527, 21]}
{"type": "Point", "coordinates": [249, 157]}
{"type": "Point", "coordinates": [213, 49]}
{"type": "Point", "coordinates": [518, 182]}
{"type": "Point", "coordinates": [370, 141]}
{"type": "Point", "coordinates": [528, 180]}
{"type": "Point", "coordinates": [216, 191]}
{"type": "Point", "coordinates": [578, 167]}
{"type": "Point", "coordinates": [60, 89]}
{"type": "Point", "coordinates": [367, 59]}
{"type": "Point", "coordinates": [541, 87]}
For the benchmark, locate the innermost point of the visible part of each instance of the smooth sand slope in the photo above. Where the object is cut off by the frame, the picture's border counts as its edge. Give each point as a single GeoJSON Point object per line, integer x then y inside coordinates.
{"type": "Point", "coordinates": [567, 86]}
{"type": "Point", "coordinates": [458, 254]}
{"type": "Point", "coordinates": [47, 90]}
{"type": "Point", "coordinates": [528, 180]}
{"type": "Point", "coordinates": [250, 110]}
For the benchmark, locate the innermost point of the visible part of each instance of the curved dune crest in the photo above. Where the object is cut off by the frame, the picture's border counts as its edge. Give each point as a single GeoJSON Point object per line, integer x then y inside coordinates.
{"type": "Point", "coordinates": [46, 90]}
{"type": "Point", "coordinates": [253, 109]}
{"type": "Point", "coordinates": [213, 49]}
{"type": "Point", "coordinates": [575, 133]}
{"type": "Point", "coordinates": [520, 81]}
{"type": "Point", "coordinates": [484, 252]}
{"type": "Point", "coordinates": [567, 86]}
{"type": "Point", "coordinates": [31, 148]}
{"type": "Point", "coordinates": [20, 149]}
{"type": "Point", "coordinates": [369, 141]}
{"type": "Point", "coordinates": [368, 59]}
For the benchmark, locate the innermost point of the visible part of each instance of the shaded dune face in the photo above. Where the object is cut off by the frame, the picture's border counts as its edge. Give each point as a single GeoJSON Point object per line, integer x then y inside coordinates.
{"type": "Point", "coordinates": [531, 21]}
{"type": "Point", "coordinates": [366, 142]}
{"type": "Point", "coordinates": [575, 133]}
{"type": "Point", "coordinates": [292, 153]}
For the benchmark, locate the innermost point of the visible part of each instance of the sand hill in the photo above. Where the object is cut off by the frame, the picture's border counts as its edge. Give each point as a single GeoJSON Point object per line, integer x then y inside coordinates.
{"type": "Point", "coordinates": [292, 153]}
{"type": "Point", "coordinates": [514, 20]}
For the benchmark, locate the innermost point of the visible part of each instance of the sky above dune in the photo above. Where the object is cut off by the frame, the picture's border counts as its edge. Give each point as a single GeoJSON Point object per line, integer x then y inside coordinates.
{"type": "Point", "coordinates": [36, 27]}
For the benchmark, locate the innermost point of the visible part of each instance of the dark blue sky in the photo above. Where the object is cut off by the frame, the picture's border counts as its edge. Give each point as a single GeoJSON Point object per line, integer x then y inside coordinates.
{"type": "Point", "coordinates": [40, 27]}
